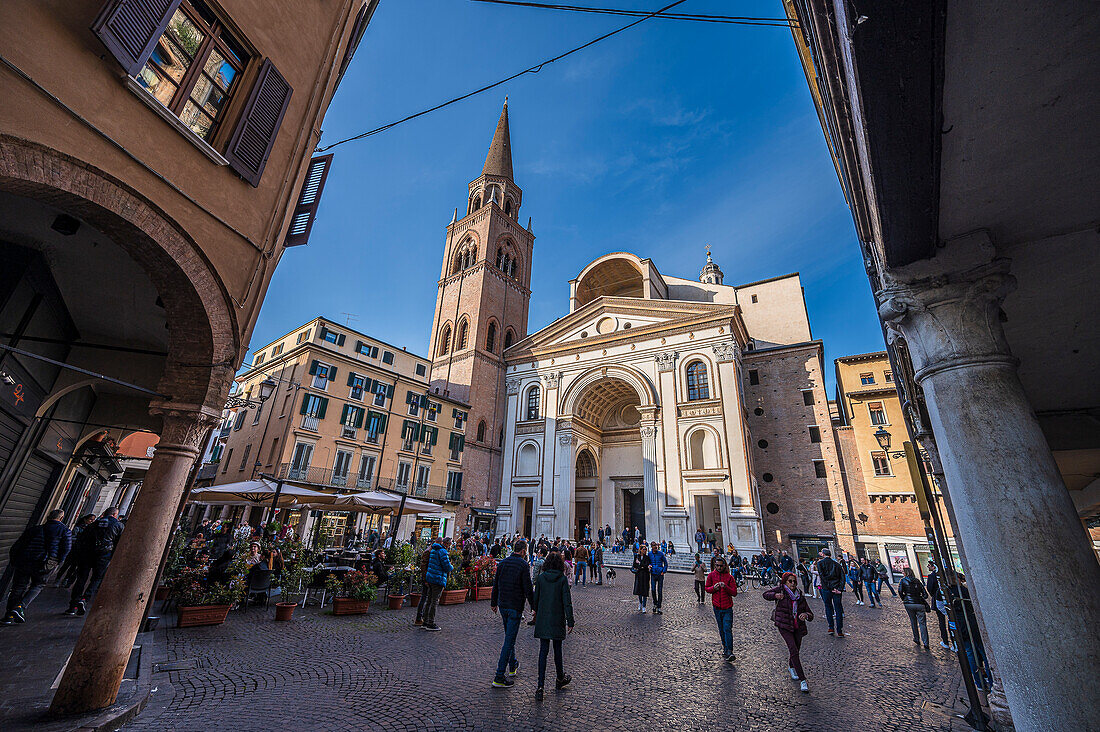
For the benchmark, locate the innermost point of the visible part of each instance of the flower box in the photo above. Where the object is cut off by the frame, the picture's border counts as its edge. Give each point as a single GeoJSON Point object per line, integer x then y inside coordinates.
{"type": "Point", "coordinates": [190, 617]}
{"type": "Point", "coordinates": [484, 592]}
{"type": "Point", "coordinates": [453, 597]}
{"type": "Point", "coordinates": [395, 601]}
{"type": "Point", "coordinates": [347, 606]}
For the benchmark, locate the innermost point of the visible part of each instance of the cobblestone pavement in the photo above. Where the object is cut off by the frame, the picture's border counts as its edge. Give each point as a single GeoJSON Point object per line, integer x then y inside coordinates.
{"type": "Point", "coordinates": [630, 671]}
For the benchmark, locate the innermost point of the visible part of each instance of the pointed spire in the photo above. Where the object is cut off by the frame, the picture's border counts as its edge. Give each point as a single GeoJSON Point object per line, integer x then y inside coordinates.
{"type": "Point", "coordinates": [529, 223]}
{"type": "Point", "coordinates": [455, 217]}
{"type": "Point", "coordinates": [499, 160]}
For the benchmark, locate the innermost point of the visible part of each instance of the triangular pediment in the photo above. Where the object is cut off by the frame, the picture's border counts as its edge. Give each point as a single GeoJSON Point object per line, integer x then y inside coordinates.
{"type": "Point", "coordinates": [611, 318]}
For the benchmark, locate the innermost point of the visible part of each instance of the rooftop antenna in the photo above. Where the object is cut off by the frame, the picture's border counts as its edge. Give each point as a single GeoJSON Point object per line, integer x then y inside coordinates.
{"type": "Point", "coordinates": [348, 317]}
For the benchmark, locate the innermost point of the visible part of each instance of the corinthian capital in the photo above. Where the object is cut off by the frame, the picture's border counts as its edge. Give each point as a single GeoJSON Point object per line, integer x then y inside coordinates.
{"type": "Point", "coordinates": [728, 351]}
{"type": "Point", "coordinates": [948, 318]}
{"type": "Point", "coordinates": [666, 360]}
{"type": "Point", "coordinates": [511, 384]}
{"type": "Point", "coordinates": [551, 380]}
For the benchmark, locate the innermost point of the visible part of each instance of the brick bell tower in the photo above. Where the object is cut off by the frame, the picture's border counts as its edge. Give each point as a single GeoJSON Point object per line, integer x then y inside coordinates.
{"type": "Point", "coordinates": [481, 309]}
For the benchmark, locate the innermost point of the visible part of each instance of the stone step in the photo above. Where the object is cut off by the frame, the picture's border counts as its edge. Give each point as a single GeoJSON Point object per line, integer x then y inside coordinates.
{"type": "Point", "coordinates": [676, 562]}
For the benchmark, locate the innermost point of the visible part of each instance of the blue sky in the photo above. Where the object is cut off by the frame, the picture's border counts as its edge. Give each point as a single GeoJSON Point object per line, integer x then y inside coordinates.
{"type": "Point", "coordinates": [658, 141]}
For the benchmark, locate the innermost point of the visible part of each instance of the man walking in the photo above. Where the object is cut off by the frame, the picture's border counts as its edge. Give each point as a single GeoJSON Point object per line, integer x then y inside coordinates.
{"type": "Point", "coordinates": [658, 565]}
{"type": "Point", "coordinates": [439, 567]}
{"type": "Point", "coordinates": [831, 575]}
{"type": "Point", "coordinates": [580, 568]}
{"type": "Point", "coordinates": [868, 576]}
{"type": "Point", "coordinates": [33, 557]}
{"type": "Point", "coordinates": [700, 539]}
{"type": "Point", "coordinates": [597, 563]}
{"type": "Point", "coordinates": [883, 576]}
{"type": "Point", "coordinates": [512, 590]}
{"type": "Point", "coordinates": [94, 551]}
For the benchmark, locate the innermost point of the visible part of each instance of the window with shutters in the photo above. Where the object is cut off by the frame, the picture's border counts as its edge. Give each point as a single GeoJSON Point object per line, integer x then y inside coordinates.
{"type": "Point", "coordinates": [314, 406]}
{"type": "Point", "coordinates": [277, 350]}
{"type": "Point", "coordinates": [322, 374]}
{"type": "Point", "coordinates": [259, 359]}
{"type": "Point", "coordinates": [228, 458]}
{"type": "Point", "coordinates": [460, 418]}
{"type": "Point", "coordinates": [404, 471]}
{"type": "Point", "coordinates": [454, 486]}
{"type": "Point", "coordinates": [194, 67]}
{"type": "Point", "coordinates": [423, 474]}
{"type": "Point", "coordinates": [356, 386]}
{"type": "Point", "coordinates": [457, 445]}
{"type": "Point", "coordinates": [332, 336]}
{"type": "Point", "coordinates": [381, 392]}
{"type": "Point", "coordinates": [387, 357]}
{"type": "Point", "coordinates": [412, 402]}
{"type": "Point", "coordinates": [434, 408]}
{"type": "Point", "coordinates": [366, 471]}
{"type": "Point", "coordinates": [376, 425]}
{"type": "Point", "coordinates": [244, 457]}
{"type": "Point", "coordinates": [240, 420]}
{"type": "Point", "coordinates": [305, 210]}
{"type": "Point", "coordinates": [303, 336]}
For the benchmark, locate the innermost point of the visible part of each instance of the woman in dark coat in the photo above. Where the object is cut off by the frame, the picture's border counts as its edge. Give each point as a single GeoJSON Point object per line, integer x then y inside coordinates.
{"type": "Point", "coordinates": [553, 617]}
{"type": "Point", "coordinates": [790, 616]}
{"type": "Point", "coordinates": [915, 597]}
{"type": "Point", "coordinates": [641, 577]}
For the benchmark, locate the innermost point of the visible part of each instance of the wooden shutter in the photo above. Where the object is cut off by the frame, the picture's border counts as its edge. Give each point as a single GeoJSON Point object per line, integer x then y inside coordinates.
{"type": "Point", "coordinates": [340, 339]}
{"type": "Point", "coordinates": [331, 373]}
{"type": "Point", "coordinates": [344, 414]}
{"type": "Point", "coordinates": [130, 29]}
{"type": "Point", "coordinates": [389, 391]}
{"type": "Point", "coordinates": [358, 417]}
{"type": "Point", "coordinates": [351, 378]}
{"type": "Point", "coordinates": [313, 368]}
{"type": "Point", "coordinates": [323, 405]}
{"type": "Point", "coordinates": [253, 137]}
{"type": "Point", "coordinates": [323, 333]}
{"type": "Point", "coordinates": [431, 434]}
{"type": "Point", "coordinates": [305, 403]}
{"type": "Point", "coordinates": [357, 31]}
{"type": "Point", "coordinates": [305, 211]}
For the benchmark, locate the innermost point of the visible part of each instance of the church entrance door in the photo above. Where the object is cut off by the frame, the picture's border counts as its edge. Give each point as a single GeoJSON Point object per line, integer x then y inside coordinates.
{"type": "Point", "coordinates": [634, 502]}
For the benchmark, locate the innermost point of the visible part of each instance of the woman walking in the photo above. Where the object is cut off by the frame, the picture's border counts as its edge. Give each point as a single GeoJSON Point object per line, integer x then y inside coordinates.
{"type": "Point", "coordinates": [915, 597]}
{"type": "Point", "coordinates": [722, 589]}
{"type": "Point", "coordinates": [854, 582]}
{"type": "Point", "coordinates": [640, 569]}
{"type": "Point", "coordinates": [700, 571]}
{"type": "Point", "coordinates": [790, 616]}
{"type": "Point", "coordinates": [553, 617]}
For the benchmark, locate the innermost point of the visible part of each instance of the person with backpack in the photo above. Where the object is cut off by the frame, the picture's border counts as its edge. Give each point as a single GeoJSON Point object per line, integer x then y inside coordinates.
{"type": "Point", "coordinates": [553, 618]}
{"type": "Point", "coordinates": [915, 599]}
{"type": "Point", "coordinates": [34, 556]}
{"type": "Point", "coordinates": [831, 575]}
{"type": "Point", "coordinates": [658, 565]}
{"type": "Point", "coordinates": [439, 568]}
{"type": "Point", "coordinates": [790, 616]}
{"type": "Point", "coordinates": [95, 549]}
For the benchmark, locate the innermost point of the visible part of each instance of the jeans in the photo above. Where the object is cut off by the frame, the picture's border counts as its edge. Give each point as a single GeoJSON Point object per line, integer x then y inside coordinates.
{"type": "Point", "coordinates": [25, 586]}
{"type": "Point", "coordinates": [794, 644]}
{"type": "Point", "coordinates": [975, 657]}
{"type": "Point", "coordinates": [701, 590]}
{"type": "Point", "coordinates": [887, 581]}
{"type": "Point", "coordinates": [433, 592]}
{"type": "Point", "coordinates": [657, 582]}
{"type": "Point", "coordinates": [511, 620]}
{"type": "Point", "coordinates": [724, 617]}
{"type": "Point", "coordinates": [597, 569]}
{"type": "Point", "coordinates": [702, 546]}
{"type": "Point", "coordinates": [423, 601]}
{"type": "Point", "coordinates": [918, 620]}
{"type": "Point", "coordinates": [88, 578]}
{"type": "Point", "coordinates": [544, 651]}
{"type": "Point", "coordinates": [872, 593]}
{"type": "Point", "coordinates": [580, 576]}
{"type": "Point", "coordinates": [857, 589]}
{"type": "Point", "coordinates": [834, 609]}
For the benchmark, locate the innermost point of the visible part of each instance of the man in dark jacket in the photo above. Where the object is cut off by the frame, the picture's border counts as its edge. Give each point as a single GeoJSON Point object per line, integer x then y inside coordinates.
{"type": "Point", "coordinates": [935, 598]}
{"type": "Point", "coordinates": [786, 564]}
{"type": "Point", "coordinates": [512, 591]}
{"type": "Point", "coordinates": [33, 557]}
{"type": "Point", "coordinates": [435, 579]}
{"type": "Point", "coordinates": [832, 589]}
{"type": "Point", "coordinates": [658, 565]}
{"type": "Point", "coordinates": [94, 551]}
{"type": "Point", "coordinates": [868, 576]}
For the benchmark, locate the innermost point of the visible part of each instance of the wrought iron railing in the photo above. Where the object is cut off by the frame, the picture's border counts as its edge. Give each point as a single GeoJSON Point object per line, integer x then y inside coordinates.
{"type": "Point", "coordinates": [329, 477]}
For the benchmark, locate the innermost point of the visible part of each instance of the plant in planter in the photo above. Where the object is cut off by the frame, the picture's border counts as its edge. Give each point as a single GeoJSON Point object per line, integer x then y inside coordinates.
{"type": "Point", "coordinates": [353, 595]}
{"type": "Point", "coordinates": [484, 573]}
{"type": "Point", "coordinates": [201, 601]}
{"type": "Point", "coordinates": [458, 584]}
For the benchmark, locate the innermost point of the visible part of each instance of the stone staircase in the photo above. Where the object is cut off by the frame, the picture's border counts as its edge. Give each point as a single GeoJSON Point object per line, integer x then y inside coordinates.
{"type": "Point", "coordinates": [676, 562]}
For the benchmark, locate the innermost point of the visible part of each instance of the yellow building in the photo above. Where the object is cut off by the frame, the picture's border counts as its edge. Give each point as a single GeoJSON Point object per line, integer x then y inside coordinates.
{"type": "Point", "coordinates": [348, 412]}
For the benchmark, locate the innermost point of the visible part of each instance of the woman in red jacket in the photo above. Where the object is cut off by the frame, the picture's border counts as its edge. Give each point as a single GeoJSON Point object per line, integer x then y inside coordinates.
{"type": "Point", "coordinates": [790, 616]}
{"type": "Point", "coordinates": [723, 588]}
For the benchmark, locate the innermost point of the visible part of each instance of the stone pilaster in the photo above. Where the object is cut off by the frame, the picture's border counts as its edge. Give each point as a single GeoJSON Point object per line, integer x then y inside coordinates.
{"type": "Point", "coordinates": [649, 481]}
{"type": "Point", "coordinates": [564, 479]}
{"type": "Point", "coordinates": [1015, 519]}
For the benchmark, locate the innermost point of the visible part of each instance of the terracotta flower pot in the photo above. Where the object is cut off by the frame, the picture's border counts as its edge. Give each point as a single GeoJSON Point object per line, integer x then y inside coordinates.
{"type": "Point", "coordinates": [196, 615]}
{"type": "Point", "coordinates": [395, 601]}
{"type": "Point", "coordinates": [484, 592]}
{"type": "Point", "coordinates": [414, 599]}
{"type": "Point", "coordinates": [453, 597]}
{"type": "Point", "coordinates": [348, 606]}
{"type": "Point", "coordinates": [285, 610]}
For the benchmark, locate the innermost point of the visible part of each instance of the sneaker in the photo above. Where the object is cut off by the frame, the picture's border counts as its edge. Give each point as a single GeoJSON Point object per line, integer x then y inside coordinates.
{"type": "Point", "coordinates": [794, 674]}
{"type": "Point", "coordinates": [431, 627]}
{"type": "Point", "coordinates": [945, 645]}
{"type": "Point", "coordinates": [81, 608]}
{"type": "Point", "coordinates": [563, 681]}
{"type": "Point", "coordinates": [71, 611]}
{"type": "Point", "coordinates": [730, 657]}
{"type": "Point", "coordinates": [17, 615]}
{"type": "Point", "coordinates": [839, 634]}
{"type": "Point", "coordinates": [831, 631]}
{"type": "Point", "coordinates": [643, 611]}
{"type": "Point", "coordinates": [503, 683]}
{"type": "Point", "coordinates": [804, 687]}
{"type": "Point", "coordinates": [514, 670]}
{"type": "Point", "coordinates": [658, 612]}
{"type": "Point", "coordinates": [538, 694]}
{"type": "Point", "coordinates": [8, 620]}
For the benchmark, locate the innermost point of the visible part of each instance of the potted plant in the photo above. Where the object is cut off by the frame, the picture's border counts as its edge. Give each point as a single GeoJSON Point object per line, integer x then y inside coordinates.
{"type": "Point", "coordinates": [204, 602]}
{"type": "Point", "coordinates": [353, 595]}
{"type": "Point", "coordinates": [458, 584]}
{"type": "Point", "coordinates": [484, 572]}
{"type": "Point", "coordinates": [401, 557]}
{"type": "Point", "coordinates": [177, 561]}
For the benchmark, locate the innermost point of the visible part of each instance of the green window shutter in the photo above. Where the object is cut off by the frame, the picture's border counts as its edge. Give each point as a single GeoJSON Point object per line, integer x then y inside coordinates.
{"type": "Point", "coordinates": [385, 421]}
{"type": "Point", "coordinates": [424, 401]}
{"type": "Point", "coordinates": [453, 442]}
{"type": "Point", "coordinates": [410, 397]}
{"type": "Point", "coordinates": [323, 406]}
{"type": "Point", "coordinates": [389, 391]}
{"type": "Point", "coordinates": [461, 443]}
{"type": "Point", "coordinates": [368, 384]}
{"type": "Point", "coordinates": [344, 414]}
{"type": "Point", "coordinates": [332, 373]}
{"type": "Point", "coordinates": [340, 340]}
{"type": "Point", "coordinates": [351, 378]}
{"type": "Point", "coordinates": [305, 403]}
{"type": "Point", "coordinates": [434, 435]}
{"type": "Point", "coordinates": [358, 417]}
{"type": "Point", "coordinates": [410, 430]}
{"type": "Point", "coordinates": [313, 368]}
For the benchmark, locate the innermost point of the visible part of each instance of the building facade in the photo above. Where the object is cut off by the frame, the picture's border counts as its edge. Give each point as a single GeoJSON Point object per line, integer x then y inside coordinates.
{"type": "Point", "coordinates": [349, 412]}
{"type": "Point", "coordinates": [154, 160]}
{"type": "Point", "coordinates": [662, 405]}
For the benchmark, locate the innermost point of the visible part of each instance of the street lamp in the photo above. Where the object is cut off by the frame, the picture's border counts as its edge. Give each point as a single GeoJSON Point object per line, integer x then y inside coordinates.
{"type": "Point", "coordinates": [267, 386]}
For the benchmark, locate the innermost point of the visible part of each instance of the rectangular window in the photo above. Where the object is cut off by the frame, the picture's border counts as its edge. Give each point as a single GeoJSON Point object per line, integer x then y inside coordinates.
{"type": "Point", "coordinates": [240, 420]}
{"type": "Point", "coordinates": [878, 413]}
{"type": "Point", "coordinates": [259, 358]}
{"type": "Point", "coordinates": [322, 374]}
{"type": "Point", "coordinates": [259, 411]}
{"type": "Point", "coordinates": [340, 467]}
{"type": "Point", "coordinates": [244, 458]}
{"type": "Point", "coordinates": [866, 379]}
{"type": "Point", "coordinates": [413, 404]}
{"type": "Point", "coordinates": [881, 463]}
{"type": "Point", "coordinates": [274, 455]}
{"type": "Point", "coordinates": [827, 511]}
{"type": "Point", "coordinates": [304, 335]}
{"type": "Point", "coordinates": [356, 385]}
{"type": "Point", "coordinates": [819, 469]}
{"type": "Point", "coordinates": [754, 377]}
{"type": "Point", "coordinates": [421, 369]}
{"type": "Point", "coordinates": [423, 472]}
{"type": "Point", "coordinates": [387, 357]}
{"type": "Point", "coordinates": [454, 486]}
{"type": "Point", "coordinates": [434, 408]}
{"type": "Point", "coordinates": [366, 471]}
{"type": "Point", "coordinates": [404, 471]}
{"type": "Point", "coordinates": [457, 444]}
{"type": "Point", "coordinates": [815, 434]}
{"type": "Point", "coordinates": [194, 67]}
{"type": "Point", "coordinates": [808, 397]}
{"type": "Point", "coordinates": [755, 298]}
{"type": "Point", "coordinates": [299, 464]}
{"type": "Point", "coordinates": [225, 463]}
{"type": "Point", "coordinates": [376, 425]}
{"type": "Point", "coordinates": [460, 418]}
{"type": "Point", "coordinates": [381, 391]}
{"type": "Point", "coordinates": [330, 336]}
{"type": "Point", "coordinates": [277, 350]}
{"type": "Point", "coordinates": [888, 377]}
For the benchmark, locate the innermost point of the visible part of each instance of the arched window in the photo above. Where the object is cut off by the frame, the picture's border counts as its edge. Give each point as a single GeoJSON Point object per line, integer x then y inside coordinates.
{"type": "Point", "coordinates": [481, 431]}
{"type": "Point", "coordinates": [533, 402]}
{"type": "Point", "coordinates": [444, 340]}
{"type": "Point", "coordinates": [477, 204]}
{"type": "Point", "coordinates": [586, 465]}
{"type": "Point", "coordinates": [491, 338]}
{"type": "Point", "coordinates": [508, 206]}
{"type": "Point", "coordinates": [463, 335]}
{"type": "Point", "coordinates": [509, 336]}
{"type": "Point", "coordinates": [465, 257]}
{"type": "Point", "coordinates": [698, 386]}
{"type": "Point", "coordinates": [702, 450]}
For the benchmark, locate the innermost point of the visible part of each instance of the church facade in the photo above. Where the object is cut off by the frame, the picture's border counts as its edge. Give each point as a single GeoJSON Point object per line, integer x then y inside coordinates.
{"type": "Point", "coordinates": [657, 403]}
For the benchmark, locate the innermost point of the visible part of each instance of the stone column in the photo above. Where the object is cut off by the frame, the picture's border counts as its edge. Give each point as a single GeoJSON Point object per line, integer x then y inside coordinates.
{"type": "Point", "coordinates": [128, 497]}
{"type": "Point", "coordinates": [649, 481]}
{"type": "Point", "coordinates": [551, 382]}
{"type": "Point", "coordinates": [564, 480]}
{"type": "Point", "coordinates": [666, 391]}
{"type": "Point", "coordinates": [505, 511]}
{"type": "Point", "coordinates": [1014, 516]}
{"type": "Point", "coordinates": [102, 651]}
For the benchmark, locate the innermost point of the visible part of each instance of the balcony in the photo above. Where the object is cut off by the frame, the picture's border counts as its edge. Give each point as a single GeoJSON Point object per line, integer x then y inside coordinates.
{"type": "Point", "coordinates": [348, 433]}
{"type": "Point", "coordinates": [207, 472]}
{"type": "Point", "coordinates": [328, 477]}
{"type": "Point", "coordinates": [309, 422]}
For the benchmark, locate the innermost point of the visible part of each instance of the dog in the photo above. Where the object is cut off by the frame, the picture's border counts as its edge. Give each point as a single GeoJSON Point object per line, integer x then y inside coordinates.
{"type": "Point", "coordinates": [611, 576]}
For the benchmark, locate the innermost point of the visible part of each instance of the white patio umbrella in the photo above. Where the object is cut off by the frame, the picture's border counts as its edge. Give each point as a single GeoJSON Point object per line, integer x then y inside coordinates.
{"type": "Point", "coordinates": [256, 492]}
{"type": "Point", "coordinates": [379, 502]}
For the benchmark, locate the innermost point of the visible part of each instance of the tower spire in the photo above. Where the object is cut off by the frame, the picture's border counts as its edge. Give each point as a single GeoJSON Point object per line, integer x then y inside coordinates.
{"type": "Point", "coordinates": [499, 160]}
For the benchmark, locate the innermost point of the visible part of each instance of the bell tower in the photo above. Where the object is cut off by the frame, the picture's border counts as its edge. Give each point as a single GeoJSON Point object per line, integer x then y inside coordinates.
{"type": "Point", "coordinates": [481, 309]}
